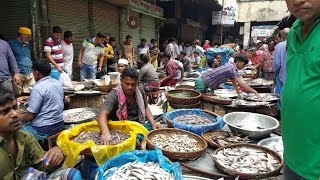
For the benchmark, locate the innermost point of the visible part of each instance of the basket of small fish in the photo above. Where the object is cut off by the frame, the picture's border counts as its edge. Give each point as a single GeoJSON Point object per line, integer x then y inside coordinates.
{"type": "Point", "coordinates": [216, 99]}
{"type": "Point", "coordinates": [248, 161]}
{"type": "Point", "coordinates": [177, 144]}
{"type": "Point", "coordinates": [254, 125]}
{"type": "Point", "coordinates": [183, 96]}
{"type": "Point", "coordinates": [194, 120]}
{"type": "Point", "coordinates": [85, 139]}
{"type": "Point", "coordinates": [139, 165]}
{"type": "Point", "coordinates": [79, 115]}
{"type": "Point", "coordinates": [221, 138]}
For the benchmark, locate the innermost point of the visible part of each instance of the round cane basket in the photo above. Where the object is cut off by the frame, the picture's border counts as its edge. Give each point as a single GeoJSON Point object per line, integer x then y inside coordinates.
{"type": "Point", "coordinates": [182, 106]}
{"type": "Point", "coordinates": [202, 144]}
{"type": "Point", "coordinates": [170, 124]}
{"type": "Point", "coordinates": [192, 97]}
{"type": "Point", "coordinates": [250, 175]}
{"type": "Point", "coordinates": [215, 99]}
{"type": "Point", "coordinates": [107, 88]}
{"type": "Point", "coordinates": [185, 87]}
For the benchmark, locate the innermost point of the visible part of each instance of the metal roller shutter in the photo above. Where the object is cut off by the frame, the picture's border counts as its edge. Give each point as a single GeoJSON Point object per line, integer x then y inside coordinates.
{"type": "Point", "coordinates": [14, 13]}
{"type": "Point", "coordinates": [148, 27]}
{"type": "Point", "coordinates": [105, 18]}
{"type": "Point", "coordinates": [71, 15]}
{"type": "Point", "coordinates": [125, 30]}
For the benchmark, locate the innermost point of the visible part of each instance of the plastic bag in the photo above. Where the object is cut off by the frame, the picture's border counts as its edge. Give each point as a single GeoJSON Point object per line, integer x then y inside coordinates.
{"type": "Point", "coordinates": [101, 153]}
{"type": "Point", "coordinates": [217, 122]}
{"type": "Point", "coordinates": [65, 80]}
{"type": "Point", "coordinates": [141, 156]}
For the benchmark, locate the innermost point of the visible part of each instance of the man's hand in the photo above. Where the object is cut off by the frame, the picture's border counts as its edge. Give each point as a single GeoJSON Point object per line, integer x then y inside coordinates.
{"type": "Point", "coordinates": [79, 64]}
{"type": "Point", "coordinates": [59, 69]}
{"type": "Point", "coordinates": [156, 126]}
{"type": "Point", "coordinates": [106, 138]}
{"type": "Point", "coordinates": [16, 78]}
{"type": "Point", "coordinates": [53, 157]}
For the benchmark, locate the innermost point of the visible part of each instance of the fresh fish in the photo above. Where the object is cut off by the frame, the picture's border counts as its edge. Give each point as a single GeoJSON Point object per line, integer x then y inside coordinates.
{"type": "Point", "coordinates": [194, 119]}
{"type": "Point", "coordinates": [140, 171]}
{"type": "Point", "coordinates": [117, 137]}
{"type": "Point", "coordinates": [175, 142]}
{"type": "Point", "coordinates": [247, 160]}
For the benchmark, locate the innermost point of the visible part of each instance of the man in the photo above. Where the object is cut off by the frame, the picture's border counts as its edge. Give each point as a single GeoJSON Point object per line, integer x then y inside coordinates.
{"type": "Point", "coordinates": [172, 70]}
{"type": "Point", "coordinates": [90, 51]}
{"type": "Point", "coordinates": [8, 68]}
{"type": "Point", "coordinates": [215, 77]}
{"type": "Point", "coordinates": [124, 102]}
{"type": "Point", "coordinates": [186, 63]}
{"type": "Point", "coordinates": [148, 77]}
{"type": "Point", "coordinates": [170, 47]}
{"type": "Point", "coordinates": [108, 64]}
{"type": "Point", "coordinates": [67, 51]}
{"type": "Point", "coordinates": [21, 50]}
{"type": "Point", "coordinates": [142, 48]}
{"type": "Point", "coordinates": [267, 61]}
{"type": "Point", "coordinates": [44, 114]}
{"type": "Point", "coordinates": [300, 97]}
{"type": "Point", "coordinates": [279, 64]}
{"type": "Point", "coordinates": [127, 50]}
{"type": "Point", "coordinates": [53, 52]}
{"type": "Point", "coordinates": [20, 150]}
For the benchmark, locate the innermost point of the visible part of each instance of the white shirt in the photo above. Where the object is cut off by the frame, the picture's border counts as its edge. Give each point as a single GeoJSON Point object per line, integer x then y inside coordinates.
{"type": "Point", "coordinates": [67, 52]}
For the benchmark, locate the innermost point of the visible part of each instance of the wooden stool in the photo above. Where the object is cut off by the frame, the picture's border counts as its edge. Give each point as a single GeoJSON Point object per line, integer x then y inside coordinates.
{"type": "Point", "coordinates": [152, 95]}
{"type": "Point", "coordinates": [52, 139]}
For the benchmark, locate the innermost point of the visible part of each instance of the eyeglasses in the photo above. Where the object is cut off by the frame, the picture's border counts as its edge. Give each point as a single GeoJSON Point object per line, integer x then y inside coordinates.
{"type": "Point", "coordinates": [6, 110]}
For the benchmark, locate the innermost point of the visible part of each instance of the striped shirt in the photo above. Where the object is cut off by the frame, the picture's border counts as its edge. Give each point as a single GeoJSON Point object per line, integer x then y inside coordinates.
{"type": "Point", "coordinates": [54, 47]}
{"type": "Point", "coordinates": [219, 75]}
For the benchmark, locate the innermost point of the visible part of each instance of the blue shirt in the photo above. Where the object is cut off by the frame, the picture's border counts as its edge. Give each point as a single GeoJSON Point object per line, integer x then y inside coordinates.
{"type": "Point", "coordinates": [22, 54]}
{"type": "Point", "coordinates": [46, 101]}
{"type": "Point", "coordinates": [279, 61]}
{"type": "Point", "coordinates": [8, 64]}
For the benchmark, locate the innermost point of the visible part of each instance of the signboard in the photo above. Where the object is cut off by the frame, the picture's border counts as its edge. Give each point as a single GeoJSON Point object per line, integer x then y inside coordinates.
{"type": "Point", "coordinates": [216, 17]}
{"type": "Point", "coordinates": [146, 7]}
{"type": "Point", "coordinates": [228, 15]}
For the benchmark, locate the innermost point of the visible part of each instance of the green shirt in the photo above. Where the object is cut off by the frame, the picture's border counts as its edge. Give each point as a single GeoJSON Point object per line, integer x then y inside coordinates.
{"type": "Point", "coordinates": [29, 155]}
{"type": "Point", "coordinates": [301, 102]}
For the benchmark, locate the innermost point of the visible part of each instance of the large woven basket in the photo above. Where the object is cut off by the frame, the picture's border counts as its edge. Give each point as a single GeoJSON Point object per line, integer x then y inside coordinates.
{"type": "Point", "coordinates": [202, 144]}
{"type": "Point", "coordinates": [169, 121]}
{"type": "Point", "coordinates": [214, 99]}
{"type": "Point", "coordinates": [193, 99]}
{"type": "Point", "coordinates": [251, 175]}
{"type": "Point", "coordinates": [183, 106]}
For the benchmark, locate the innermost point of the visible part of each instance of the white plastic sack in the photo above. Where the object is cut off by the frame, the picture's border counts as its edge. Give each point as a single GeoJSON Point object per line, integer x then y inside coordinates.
{"type": "Point", "coordinates": [65, 80]}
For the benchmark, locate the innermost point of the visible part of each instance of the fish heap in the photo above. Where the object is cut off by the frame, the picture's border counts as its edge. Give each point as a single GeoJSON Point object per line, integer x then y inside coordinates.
{"type": "Point", "coordinates": [79, 116]}
{"type": "Point", "coordinates": [247, 160]}
{"type": "Point", "coordinates": [175, 142]}
{"type": "Point", "coordinates": [139, 171]}
{"type": "Point", "coordinates": [117, 137]}
{"type": "Point", "coordinates": [227, 138]}
{"type": "Point", "coordinates": [194, 119]}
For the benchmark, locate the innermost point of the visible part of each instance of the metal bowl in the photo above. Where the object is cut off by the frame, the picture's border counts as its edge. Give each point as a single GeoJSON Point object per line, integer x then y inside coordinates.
{"type": "Point", "coordinates": [256, 126]}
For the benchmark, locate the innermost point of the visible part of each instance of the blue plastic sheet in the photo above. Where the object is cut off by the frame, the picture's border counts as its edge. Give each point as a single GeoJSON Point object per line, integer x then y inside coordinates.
{"type": "Point", "coordinates": [141, 156]}
{"type": "Point", "coordinates": [217, 122]}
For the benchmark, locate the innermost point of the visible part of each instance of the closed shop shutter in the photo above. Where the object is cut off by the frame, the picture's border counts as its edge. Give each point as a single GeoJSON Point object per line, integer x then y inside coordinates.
{"type": "Point", "coordinates": [148, 28]}
{"type": "Point", "coordinates": [14, 13]}
{"type": "Point", "coordinates": [105, 18]}
{"type": "Point", "coordinates": [126, 30]}
{"type": "Point", "coordinates": [71, 15]}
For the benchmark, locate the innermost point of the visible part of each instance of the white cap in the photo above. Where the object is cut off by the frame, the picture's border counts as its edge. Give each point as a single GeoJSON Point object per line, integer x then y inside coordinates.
{"type": "Point", "coordinates": [123, 61]}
